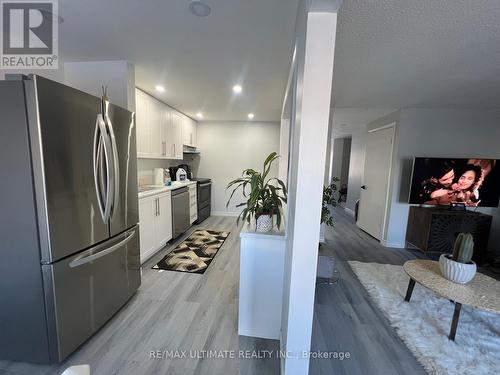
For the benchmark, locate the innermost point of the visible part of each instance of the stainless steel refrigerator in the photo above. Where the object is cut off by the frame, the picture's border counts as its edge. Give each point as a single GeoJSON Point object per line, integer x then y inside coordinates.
{"type": "Point", "coordinates": [69, 234]}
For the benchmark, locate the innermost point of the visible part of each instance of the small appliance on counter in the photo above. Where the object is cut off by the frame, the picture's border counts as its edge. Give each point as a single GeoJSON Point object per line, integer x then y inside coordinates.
{"type": "Point", "coordinates": [185, 167]}
{"type": "Point", "coordinates": [181, 175]}
{"type": "Point", "coordinates": [203, 189]}
{"type": "Point", "coordinates": [162, 177]}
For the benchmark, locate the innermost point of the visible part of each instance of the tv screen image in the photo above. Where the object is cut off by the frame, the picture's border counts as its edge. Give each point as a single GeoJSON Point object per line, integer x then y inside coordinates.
{"type": "Point", "coordinates": [440, 181]}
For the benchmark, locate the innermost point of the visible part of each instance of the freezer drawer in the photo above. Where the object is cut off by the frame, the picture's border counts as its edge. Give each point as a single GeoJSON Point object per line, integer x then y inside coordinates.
{"type": "Point", "coordinates": [85, 290]}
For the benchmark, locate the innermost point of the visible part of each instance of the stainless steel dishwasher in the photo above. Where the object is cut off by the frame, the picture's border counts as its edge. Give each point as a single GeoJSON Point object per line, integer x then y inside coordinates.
{"type": "Point", "coordinates": [180, 211]}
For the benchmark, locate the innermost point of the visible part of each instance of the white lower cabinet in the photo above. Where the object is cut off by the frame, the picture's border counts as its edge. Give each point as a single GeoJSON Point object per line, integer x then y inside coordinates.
{"type": "Point", "coordinates": [155, 223]}
{"type": "Point", "coordinates": [193, 203]}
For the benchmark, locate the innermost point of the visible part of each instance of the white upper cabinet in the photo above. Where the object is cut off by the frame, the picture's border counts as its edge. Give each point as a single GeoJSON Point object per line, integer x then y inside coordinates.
{"type": "Point", "coordinates": [142, 123]}
{"type": "Point", "coordinates": [166, 129]}
{"type": "Point", "coordinates": [159, 129]}
{"type": "Point", "coordinates": [176, 136]}
{"type": "Point", "coordinates": [157, 149]}
{"type": "Point", "coordinates": [188, 131]}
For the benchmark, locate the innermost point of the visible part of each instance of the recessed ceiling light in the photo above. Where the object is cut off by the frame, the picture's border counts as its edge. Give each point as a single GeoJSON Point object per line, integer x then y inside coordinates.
{"type": "Point", "coordinates": [199, 8]}
{"type": "Point", "coordinates": [237, 89]}
{"type": "Point", "coordinates": [251, 116]}
{"type": "Point", "coordinates": [160, 88]}
{"type": "Point", "coordinates": [199, 115]}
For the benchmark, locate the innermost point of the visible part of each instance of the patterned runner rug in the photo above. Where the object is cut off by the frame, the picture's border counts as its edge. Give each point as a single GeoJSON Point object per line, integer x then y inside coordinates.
{"type": "Point", "coordinates": [194, 254]}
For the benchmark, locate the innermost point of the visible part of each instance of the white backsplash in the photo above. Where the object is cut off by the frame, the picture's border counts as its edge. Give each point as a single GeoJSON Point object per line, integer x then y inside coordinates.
{"type": "Point", "coordinates": [145, 167]}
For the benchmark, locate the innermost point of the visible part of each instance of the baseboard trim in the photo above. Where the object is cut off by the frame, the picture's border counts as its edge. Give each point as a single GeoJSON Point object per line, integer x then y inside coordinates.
{"type": "Point", "coordinates": [394, 244]}
{"type": "Point", "coordinates": [349, 211]}
{"type": "Point", "coordinates": [224, 213]}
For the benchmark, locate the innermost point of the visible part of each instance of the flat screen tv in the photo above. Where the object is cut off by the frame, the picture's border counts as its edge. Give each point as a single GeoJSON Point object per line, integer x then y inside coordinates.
{"type": "Point", "coordinates": [439, 181]}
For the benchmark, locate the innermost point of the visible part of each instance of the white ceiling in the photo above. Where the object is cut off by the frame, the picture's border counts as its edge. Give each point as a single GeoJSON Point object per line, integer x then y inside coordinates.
{"type": "Point", "coordinates": [408, 53]}
{"type": "Point", "coordinates": [349, 121]}
{"type": "Point", "coordinates": [198, 60]}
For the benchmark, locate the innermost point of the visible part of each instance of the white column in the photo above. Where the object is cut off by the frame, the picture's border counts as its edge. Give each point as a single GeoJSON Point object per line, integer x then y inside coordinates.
{"type": "Point", "coordinates": [284, 145]}
{"type": "Point", "coordinates": [117, 76]}
{"type": "Point", "coordinates": [315, 54]}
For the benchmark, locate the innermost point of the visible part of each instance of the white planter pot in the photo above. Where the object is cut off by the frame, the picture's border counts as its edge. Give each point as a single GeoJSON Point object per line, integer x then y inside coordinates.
{"type": "Point", "coordinates": [460, 273]}
{"type": "Point", "coordinates": [264, 223]}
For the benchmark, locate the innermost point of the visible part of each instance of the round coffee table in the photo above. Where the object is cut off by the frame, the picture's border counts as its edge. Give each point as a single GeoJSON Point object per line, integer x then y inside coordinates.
{"type": "Point", "coordinates": [483, 292]}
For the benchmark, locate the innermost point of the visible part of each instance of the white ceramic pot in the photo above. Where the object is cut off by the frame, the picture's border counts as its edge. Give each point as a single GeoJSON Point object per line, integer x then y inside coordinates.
{"type": "Point", "coordinates": [460, 273]}
{"type": "Point", "coordinates": [264, 223]}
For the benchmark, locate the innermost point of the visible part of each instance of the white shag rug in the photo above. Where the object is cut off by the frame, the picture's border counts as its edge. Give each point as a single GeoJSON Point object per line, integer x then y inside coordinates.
{"type": "Point", "coordinates": [424, 324]}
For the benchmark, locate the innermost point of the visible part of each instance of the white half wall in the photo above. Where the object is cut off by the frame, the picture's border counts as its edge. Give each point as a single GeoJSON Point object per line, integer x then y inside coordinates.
{"type": "Point", "coordinates": [440, 133]}
{"type": "Point", "coordinates": [227, 148]}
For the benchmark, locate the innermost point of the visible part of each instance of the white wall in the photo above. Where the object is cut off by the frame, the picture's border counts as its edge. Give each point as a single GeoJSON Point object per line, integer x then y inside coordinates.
{"type": "Point", "coordinates": [338, 153]}
{"type": "Point", "coordinates": [340, 161]}
{"type": "Point", "coordinates": [90, 76]}
{"type": "Point", "coordinates": [439, 133]}
{"type": "Point", "coordinates": [145, 167]}
{"type": "Point", "coordinates": [227, 148]}
{"type": "Point", "coordinates": [356, 169]}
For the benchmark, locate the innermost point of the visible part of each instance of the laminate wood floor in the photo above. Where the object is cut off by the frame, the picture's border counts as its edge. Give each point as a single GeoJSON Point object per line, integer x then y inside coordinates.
{"type": "Point", "coordinates": [346, 320]}
{"type": "Point", "coordinates": [173, 311]}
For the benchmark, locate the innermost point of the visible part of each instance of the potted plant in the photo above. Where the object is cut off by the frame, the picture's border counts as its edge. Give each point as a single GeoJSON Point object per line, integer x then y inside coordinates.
{"type": "Point", "coordinates": [265, 196]}
{"type": "Point", "coordinates": [459, 267]}
{"type": "Point", "coordinates": [328, 200]}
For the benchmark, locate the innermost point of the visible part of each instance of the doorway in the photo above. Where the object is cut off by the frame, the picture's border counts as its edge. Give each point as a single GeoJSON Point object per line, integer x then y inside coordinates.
{"type": "Point", "coordinates": [373, 205]}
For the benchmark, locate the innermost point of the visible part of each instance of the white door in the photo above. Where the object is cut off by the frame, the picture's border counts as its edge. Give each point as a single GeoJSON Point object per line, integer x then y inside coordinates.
{"type": "Point", "coordinates": [374, 189]}
{"type": "Point", "coordinates": [163, 221]}
{"type": "Point", "coordinates": [147, 216]}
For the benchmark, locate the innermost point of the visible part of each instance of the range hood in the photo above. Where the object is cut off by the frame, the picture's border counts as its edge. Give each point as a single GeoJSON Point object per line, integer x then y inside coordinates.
{"type": "Point", "coordinates": [190, 150]}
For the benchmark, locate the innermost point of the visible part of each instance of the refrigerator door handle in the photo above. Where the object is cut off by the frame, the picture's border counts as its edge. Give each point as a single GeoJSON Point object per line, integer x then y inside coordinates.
{"type": "Point", "coordinates": [101, 142]}
{"type": "Point", "coordinates": [116, 171]}
{"type": "Point", "coordinates": [89, 257]}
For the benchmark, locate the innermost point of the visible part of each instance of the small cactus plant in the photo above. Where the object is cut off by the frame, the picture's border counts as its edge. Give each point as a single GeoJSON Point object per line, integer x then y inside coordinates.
{"type": "Point", "coordinates": [464, 248]}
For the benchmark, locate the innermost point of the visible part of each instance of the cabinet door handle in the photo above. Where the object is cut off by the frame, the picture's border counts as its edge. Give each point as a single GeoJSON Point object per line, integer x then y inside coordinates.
{"type": "Point", "coordinates": [164, 148]}
{"type": "Point", "coordinates": [159, 207]}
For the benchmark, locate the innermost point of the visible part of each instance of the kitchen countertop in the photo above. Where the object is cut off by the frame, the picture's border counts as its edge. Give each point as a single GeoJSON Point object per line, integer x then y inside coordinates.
{"type": "Point", "coordinates": [157, 189]}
